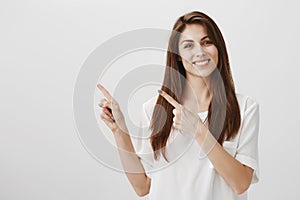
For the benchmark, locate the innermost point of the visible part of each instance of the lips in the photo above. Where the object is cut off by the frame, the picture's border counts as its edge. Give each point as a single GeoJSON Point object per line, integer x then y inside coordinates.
{"type": "Point", "coordinates": [201, 62]}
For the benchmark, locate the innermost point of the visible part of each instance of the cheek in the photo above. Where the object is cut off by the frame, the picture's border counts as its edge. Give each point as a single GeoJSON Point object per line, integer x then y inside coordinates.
{"type": "Point", "coordinates": [215, 56]}
{"type": "Point", "coordinates": [186, 64]}
{"type": "Point", "coordinates": [185, 55]}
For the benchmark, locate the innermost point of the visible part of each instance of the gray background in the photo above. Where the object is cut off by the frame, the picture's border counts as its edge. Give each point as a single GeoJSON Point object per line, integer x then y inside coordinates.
{"type": "Point", "coordinates": [45, 43]}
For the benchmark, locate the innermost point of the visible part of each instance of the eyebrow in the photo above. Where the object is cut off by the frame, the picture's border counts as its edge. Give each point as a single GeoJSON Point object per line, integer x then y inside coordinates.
{"type": "Point", "coordinates": [192, 40]}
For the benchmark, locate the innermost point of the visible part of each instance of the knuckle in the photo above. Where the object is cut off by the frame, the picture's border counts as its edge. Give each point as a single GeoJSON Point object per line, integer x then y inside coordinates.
{"type": "Point", "coordinates": [115, 103]}
{"type": "Point", "coordinates": [181, 108]}
{"type": "Point", "coordinates": [103, 101]}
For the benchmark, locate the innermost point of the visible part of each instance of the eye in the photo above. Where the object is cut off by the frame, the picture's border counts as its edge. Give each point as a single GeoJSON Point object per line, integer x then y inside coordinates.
{"type": "Point", "coordinates": [187, 46]}
{"type": "Point", "coordinates": [207, 43]}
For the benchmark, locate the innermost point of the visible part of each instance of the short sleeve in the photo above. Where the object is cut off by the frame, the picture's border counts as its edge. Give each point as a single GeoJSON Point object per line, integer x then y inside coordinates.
{"type": "Point", "coordinates": [142, 143]}
{"type": "Point", "coordinates": [247, 150]}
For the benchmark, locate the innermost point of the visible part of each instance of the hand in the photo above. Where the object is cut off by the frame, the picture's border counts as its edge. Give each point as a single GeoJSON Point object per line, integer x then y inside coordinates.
{"type": "Point", "coordinates": [111, 112]}
{"type": "Point", "coordinates": [186, 121]}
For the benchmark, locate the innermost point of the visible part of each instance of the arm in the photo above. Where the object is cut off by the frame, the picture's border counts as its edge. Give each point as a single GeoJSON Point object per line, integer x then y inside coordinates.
{"type": "Point", "coordinates": [131, 163]}
{"type": "Point", "coordinates": [235, 171]}
{"type": "Point", "coordinates": [114, 119]}
{"type": "Point", "coordinates": [237, 175]}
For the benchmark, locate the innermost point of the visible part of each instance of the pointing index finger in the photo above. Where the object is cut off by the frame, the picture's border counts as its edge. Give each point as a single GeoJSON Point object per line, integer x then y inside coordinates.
{"type": "Point", "coordinates": [105, 92]}
{"type": "Point", "coordinates": [169, 99]}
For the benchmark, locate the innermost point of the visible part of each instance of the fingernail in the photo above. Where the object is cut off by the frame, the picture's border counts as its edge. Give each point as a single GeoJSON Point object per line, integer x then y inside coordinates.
{"type": "Point", "coordinates": [159, 91]}
{"type": "Point", "coordinates": [100, 104]}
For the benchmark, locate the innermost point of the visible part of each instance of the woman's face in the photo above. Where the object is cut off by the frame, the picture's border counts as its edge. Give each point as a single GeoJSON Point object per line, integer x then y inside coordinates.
{"type": "Point", "coordinates": [198, 54]}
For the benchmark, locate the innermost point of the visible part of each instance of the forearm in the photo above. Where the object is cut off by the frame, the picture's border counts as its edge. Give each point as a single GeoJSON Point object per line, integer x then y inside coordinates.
{"type": "Point", "coordinates": [131, 163]}
{"type": "Point", "coordinates": [234, 173]}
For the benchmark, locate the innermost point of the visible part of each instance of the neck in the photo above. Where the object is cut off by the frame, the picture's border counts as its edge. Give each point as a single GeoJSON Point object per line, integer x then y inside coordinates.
{"type": "Point", "coordinates": [196, 94]}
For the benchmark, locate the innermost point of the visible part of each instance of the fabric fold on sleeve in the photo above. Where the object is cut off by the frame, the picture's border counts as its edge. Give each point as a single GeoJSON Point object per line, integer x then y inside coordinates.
{"type": "Point", "coordinates": [142, 142]}
{"type": "Point", "coordinates": [247, 150]}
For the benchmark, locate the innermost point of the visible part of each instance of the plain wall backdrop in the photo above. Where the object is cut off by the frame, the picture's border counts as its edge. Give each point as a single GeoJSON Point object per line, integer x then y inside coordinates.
{"type": "Point", "coordinates": [43, 45]}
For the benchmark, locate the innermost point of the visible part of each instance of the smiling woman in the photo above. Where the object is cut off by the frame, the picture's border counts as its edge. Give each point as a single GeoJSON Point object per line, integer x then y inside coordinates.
{"type": "Point", "coordinates": [199, 54]}
{"type": "Point", "coordinates": [197, 120]}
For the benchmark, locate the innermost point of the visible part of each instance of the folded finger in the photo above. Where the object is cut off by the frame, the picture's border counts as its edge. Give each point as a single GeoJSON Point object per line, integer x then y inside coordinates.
{"type": "Point", "coordinates": [107, 111]}
{"type": "Point", "coordinates": [104, 103]}
{"type": "Point", "coordinates": [176, 120]}
{"type": "Point", "coordinates": [106, 118]}
{"type": "Point", "coordinates": [176, 126]}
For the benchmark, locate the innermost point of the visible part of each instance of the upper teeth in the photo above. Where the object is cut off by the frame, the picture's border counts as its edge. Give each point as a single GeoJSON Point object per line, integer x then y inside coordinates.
{"type": "Point", "coordinates": [201, 63]}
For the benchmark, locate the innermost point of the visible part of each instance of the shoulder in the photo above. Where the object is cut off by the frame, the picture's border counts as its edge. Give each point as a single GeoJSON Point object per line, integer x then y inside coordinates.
{"type": "Point", "coordinates": [246, 102]}
{"type": "Point", "coordinates": [149, 105]}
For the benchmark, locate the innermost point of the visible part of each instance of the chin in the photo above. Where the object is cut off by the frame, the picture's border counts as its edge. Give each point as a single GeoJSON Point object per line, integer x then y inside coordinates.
{"type": "Point", "coordinates": [204, 73]}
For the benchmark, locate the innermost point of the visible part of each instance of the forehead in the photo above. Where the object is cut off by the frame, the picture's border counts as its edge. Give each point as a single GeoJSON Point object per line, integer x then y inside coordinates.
{"type": "Point", "coordinates": [193, 31]}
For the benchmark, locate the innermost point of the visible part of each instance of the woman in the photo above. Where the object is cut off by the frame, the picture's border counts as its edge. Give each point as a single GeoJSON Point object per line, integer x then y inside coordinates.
{"type": "Point", "coordinates": [220, 158]}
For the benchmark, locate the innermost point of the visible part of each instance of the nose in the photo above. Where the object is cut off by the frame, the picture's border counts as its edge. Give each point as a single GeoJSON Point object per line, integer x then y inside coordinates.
{"type": "Point", "coordinates": [199, 51]}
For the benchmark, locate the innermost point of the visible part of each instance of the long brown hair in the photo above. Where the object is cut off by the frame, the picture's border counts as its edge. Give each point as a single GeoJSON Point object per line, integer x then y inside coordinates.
{"type": "Point", "coordinates": [223, 112]}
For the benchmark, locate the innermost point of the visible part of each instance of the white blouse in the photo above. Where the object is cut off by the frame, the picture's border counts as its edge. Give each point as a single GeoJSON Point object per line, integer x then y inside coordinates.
{"type": "Point", "coordinates": [190, 175]}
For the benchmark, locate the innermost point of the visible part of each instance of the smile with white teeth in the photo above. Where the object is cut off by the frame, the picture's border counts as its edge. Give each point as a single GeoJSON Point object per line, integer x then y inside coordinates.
{"type": "Point", "coordinates": [202, 62]}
